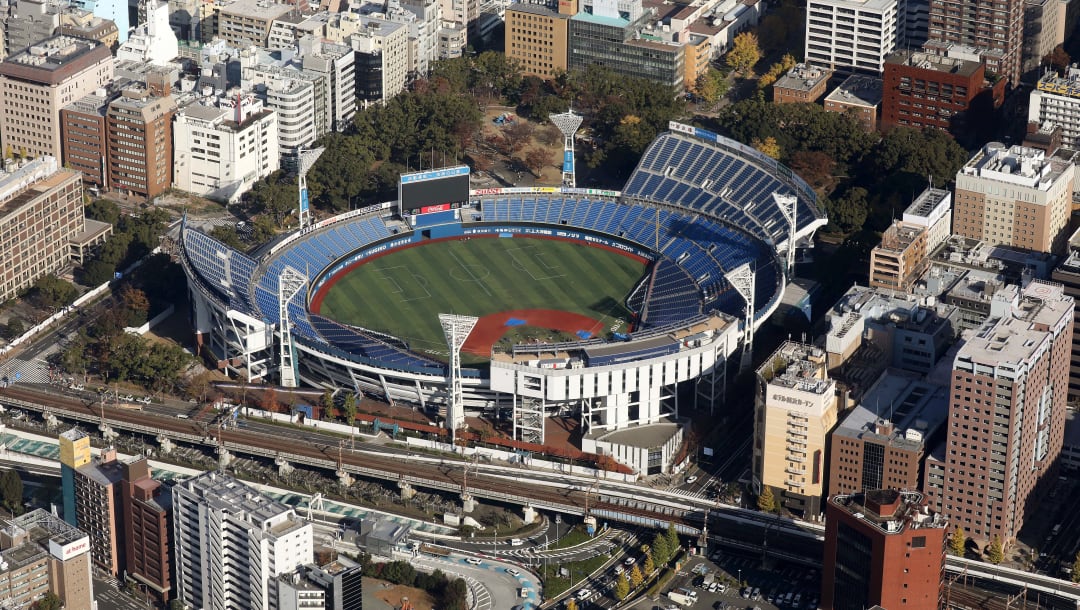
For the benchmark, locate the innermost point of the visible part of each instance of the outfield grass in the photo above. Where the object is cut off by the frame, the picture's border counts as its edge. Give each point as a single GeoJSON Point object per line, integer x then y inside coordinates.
{"type": "Point", "coordinates": [403, 292]}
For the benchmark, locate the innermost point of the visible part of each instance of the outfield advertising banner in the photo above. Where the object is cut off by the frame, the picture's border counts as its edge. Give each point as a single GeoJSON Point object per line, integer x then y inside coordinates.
{"type": "Point", "coordinates": [567, 162]}
{"type": "Point", "coordinates": [304, 200]}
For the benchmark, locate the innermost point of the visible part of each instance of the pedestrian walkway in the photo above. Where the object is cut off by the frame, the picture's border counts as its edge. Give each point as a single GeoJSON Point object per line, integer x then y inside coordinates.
{"type": "Point", "coordinates": [18, 370]}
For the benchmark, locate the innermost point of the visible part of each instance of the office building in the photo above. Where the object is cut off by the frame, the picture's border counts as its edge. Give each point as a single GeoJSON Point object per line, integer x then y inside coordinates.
{"type": "Point", "coordinates": [1014, 196]}
{"type": "Point", "coordinates": [988, 31]}
{"type": "Point", "coordinates": [904, 252]}
{"type": "Point", "coordinates": [802, 84]}
{"type": "Point", "coordinates": [1007, 412]}
{"type": "Point", "coordinates": [74, 454]}
{"type": "Point", "coordinates": [98, 510]}
{"type": "Point", "coordinates": [82, 126]}
{"type": "Point", "coordinates": [139, 132]}
{"type": "Point", "coordinates": [452, 40]}
{"type": "Point", "coordinates": [882, 441]}
{"type": "Point", "coordinates": [1067, 273]}
{"type": "Point", "coordinates": [617, 38]}
{"type": "Point", "coordinates": [41, 221]}
{"type": "Point", "coordinates": [342, 579]}
{"type": "Point", "coordinates": [335, 62]}
{"type": "Point", "coordinates": [245, 135]}
{"type": "Point", "coordinates": [853, 36]}
{"type": "Point", "coordinates": [382, 52]}
{"type": "Point", "coordinates": [859, 95]}
{"type": "Point", "coordinates": [38, 533]}
{"type": "Point", "coordinates": [28, 22]}
{"type": "Point", "coordinates": [81, 23]}
{"type": "Point", "coordinates": [147, 528]}
{"type": "Point", "coordinates": [883, 548]}
{"type": "Point", "coordinates": [298, 100]}
{"type": "Point", "coordinates": [297, 592]}
{"type": "Point", "coordinates": [117, 11]}
{"type": "Point", "coordinates": [1055, 102]}
{"type": "Point", "coordinates": [536, 37]}
{"type": "Point", "coordinates": [796, 408]}
{"type": "Point", "coordinates": [1044, 30]}
{"type": "Point", "coordinates": [37, 83]}
{"type": "Point", "coordinates": [246, 23]}
{"type": "Point", "coordinates": [233, 542]}
{"type": "Point", "coordinates": [925, 90]}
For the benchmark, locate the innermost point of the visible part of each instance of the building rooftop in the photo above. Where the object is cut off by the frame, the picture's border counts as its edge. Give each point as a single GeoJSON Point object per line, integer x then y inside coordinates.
{"type": "Point", "coordinates": [899, 410]}
{"type": "Point", "coordinates": [802, 78]}
{"type": "Point", "coordinates": [73, 435]}
{"type": "Point", "coordinates": [1016, 165]}
{"type": "Point", "coordinates": [535, 9]}
{"type": "Point", "coordinates": [1068, 85]}
{"type": "Point", "coordinates": [797, 366]}
{"type": "Point", "coordinates": [245, 503]}
{"type": "Point", "coordinates": [46, 528]}
{"type": "Point", "coordinates": [1011, 336]}
{"type": "Point", "coordinates": [615, 22]}
{"type": "Point", "coordinates": [926, 202]}
{"type": "Point", "coordinates": [646, 436]}
{"type": "Point", "coordinates": [898, 237]}
{"type": "Point", "coordinates": [258, 9]}
{"type": "Point", "coordinates": [858, 90]}
{"type": "Point", "coordinates": [54, 53]}
{"type": "Point", "coordinates": [889, 510]}
{"type": "Point", "coordinates": [103, 473]}
{"type": "Point", "coordinates": [931, 61]}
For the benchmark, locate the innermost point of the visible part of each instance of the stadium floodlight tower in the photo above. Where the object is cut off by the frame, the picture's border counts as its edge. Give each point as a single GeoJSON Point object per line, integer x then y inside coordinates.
{"type": "Point", "coordinates": [742, 280]}
{"type": "Point", "coordinates": [305, 160]}
{"type": "Point", "coordinates": [290, 283]}
{"type": "Point", "coordinates": [787, 205]}
{"type": "Point", "coordinates": [457, 329]}
{"type": "Point", "coordinates": [568, 124]}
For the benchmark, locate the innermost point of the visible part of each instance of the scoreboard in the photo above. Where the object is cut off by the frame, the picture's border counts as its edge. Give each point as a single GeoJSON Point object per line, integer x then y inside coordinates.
{"type": "Point", "coordinates": [432, 191]}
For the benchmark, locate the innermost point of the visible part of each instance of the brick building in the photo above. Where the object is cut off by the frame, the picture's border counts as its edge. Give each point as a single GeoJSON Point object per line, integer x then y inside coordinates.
{"type": "Point", "coordinates": [802, 83]}
{"type": "Point", "coordinates": [139, 133]}
{"type": "Point", "coordinates": [147, 527]}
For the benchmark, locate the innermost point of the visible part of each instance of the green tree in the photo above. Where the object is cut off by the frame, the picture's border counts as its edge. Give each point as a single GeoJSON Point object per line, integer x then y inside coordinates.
{"type": "Point", "coordinates": [454, 596]}
{"type": "Point", "coordinates": [1074, 575]}
{"type": "Point", "coordinates": [571, 603]}
{"type": "Point", "coordinates": [711, 85]}
{"type": "Point", "coordinates": [175, 604]}
{"type": "Point", "coordinates": [262, 229]}
{"type": "Point", "coordinates": [849, 212]}
{"type": "Point", "coordinates": [786, 63]}
{"type": "Point", "coordinates": [672, 538]}
{"type": "Point", "coordinates": [13, 328]}
{"type": "Point", "coordinates": [103, 210]}
{"type": "Point", "coordinates": [51, 291]}
{"type": "Point", "coordinates": [958, 542]}
{"type": "Point", "coordinates": [661, 550]}
{"type": "Point", "coordinates": [327, 403]}
{"type": "Point", "coordinates": [227, 235]}
{"type": "Point", "coordinates": [49, 601]}
{"type": "Point", "coordinates": [767, 146]}
{"type": "Point", "coordinates": [11, 490]}
{"type": "Point", "coordinates": [744, 54]}
{"type": "Point", "coordinates": [135, 304]}
{"type": "Point", "coordinates": [766, 501]}
{"type": "Point", "coordinates": [995, 553]}
{"type": "Point", "coordinates": [350, 408]}
{"type": "Point", "coordinates": [636, 577]}
{"type": "Point", "coordinates": [648, 564]}
{"type": "Point", "coordinates": [622, 587]}
{"type": "Point", "coordinates": [96, 272]}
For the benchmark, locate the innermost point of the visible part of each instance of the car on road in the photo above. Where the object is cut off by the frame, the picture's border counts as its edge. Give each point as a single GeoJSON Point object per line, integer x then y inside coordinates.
{"type": "Point", "coordinates": [583, 594]}
{"type": "Point", "coordinates": [513, 572]}
{"type": "Point", "coordinates": [690, 480]}
{"type": "Point", "coordinates": [630, 561]}
{"type": "Point", "coordinates": [619, 570]}
{"type": "Point", "coordinates": [473, 561]}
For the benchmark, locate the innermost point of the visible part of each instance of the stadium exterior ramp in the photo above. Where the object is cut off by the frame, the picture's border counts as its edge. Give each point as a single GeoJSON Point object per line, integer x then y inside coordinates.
{"type": "Point", "coordinates": [697, 206]}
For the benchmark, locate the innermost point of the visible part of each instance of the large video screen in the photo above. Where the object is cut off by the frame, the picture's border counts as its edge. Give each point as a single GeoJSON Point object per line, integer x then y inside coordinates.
{"type": "Point", "coordinates": [434, 191]}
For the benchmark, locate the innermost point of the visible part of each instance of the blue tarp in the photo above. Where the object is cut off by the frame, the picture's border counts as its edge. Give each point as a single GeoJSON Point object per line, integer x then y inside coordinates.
{"type": "Point", "coordinates": [584, 334]}
{"type": "Point", "coordinates": [515, 322]}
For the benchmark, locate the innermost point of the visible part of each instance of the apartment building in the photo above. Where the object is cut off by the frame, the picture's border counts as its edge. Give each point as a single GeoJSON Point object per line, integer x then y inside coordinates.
{"type": "Point", "coordinates": [246, 23]}
{"type": "Point", "coordinates": [98, 509]}
{"type": "Point", "coordinates": [232, 542]}
{"type": "Point", "coordinates": [139, 135]}
{"type": "Point", "coordinates": [299, 100]}
{"type": "Point", "coordinates": [796, 409]}
{"type": "Point", "coordinates": [536, 36]}
{"type": "Point", "coordinates": [802, 84]}
{"type": "Point", "coordinates": [66, 551]}
{"type": "Point", "coordinates": [147, 528]}
{"type": "Point", "coordinates": [41, 215]}
{"type": "Point", "coordinates": [74, 454]}
{"type": "Point", "coordinates": [221, 150]}
{"type": "Point", "coordinates": [336, 62]}
{"type": "Point", "coordinates": [988, 31]}
{"type": "Point", "coordinates": [853, 36]}
{"type": "Point", "coordinates": [1014, 196]}
{"type": "Point", "coordinates": [1067, 273]}
{"type": "Point", "coordinates": [881, 442]}
{"type": "Point", "coordinates": [1007, 410]}
{"type": "Point", "coordinates": [904, 251]}
{"type": "Point", "coordinates": [1044, 29]}
{"type": "Point", "coordinates": [82, 127]}
{"type": "Point", "coordinates": [37, 83]}
{"type": "Point", "coordinates": [883, 549]}
{"type": "Point", "coordinates": [1055, 102]}
{"type": "Point", "coordinates": [925, 90]}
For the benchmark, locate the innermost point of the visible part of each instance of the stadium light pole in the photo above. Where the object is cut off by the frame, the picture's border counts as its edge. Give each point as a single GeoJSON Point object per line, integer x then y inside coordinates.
{"type": "Point", "coordinates": [305, 160]}
{"type": "Point", "coordinates": [742, 279]}
{"type": "Point", "coordinates": [457, 329]}
{"type": "Point", "coordinates": [568, 124]}
{"type": "Point", "coordinates": [788, 205]}
{"type": "Point", "coordinates": [290, 283]}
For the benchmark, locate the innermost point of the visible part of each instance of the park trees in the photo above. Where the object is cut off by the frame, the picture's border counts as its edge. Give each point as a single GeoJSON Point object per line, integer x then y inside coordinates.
{"type": "Point", "coordinates": [958, 542]}
{"type": "Point", "coordinates": [744, 54]}
{"type": "Point", "coordinates": [995, 552]}
{"type": "Point", "coordinates": [766, 501]}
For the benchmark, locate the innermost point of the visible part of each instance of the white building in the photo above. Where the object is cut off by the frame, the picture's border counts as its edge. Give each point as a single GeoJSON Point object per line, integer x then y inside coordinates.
{"type": "Point", "coordinates": [382, 58]}
{"type": "Point", "coordinates": [220, 150]}
{"type": "Point", "coordinates": [1056, 101]}
{"type": "Point", "coordinates": [298, 98]}
{"type": "Point", "coordinates": [851, 35]}
{"type": "Point", "coordinates": [153, 42]}
{"type": "Point", "coordinates": [337, 63]}
{"type": "Point", "coordinates": [423, 18]}
{"type": "Point", "coordinates": [233, 542]}
{"type": "Point", "coordinates": [453, 39]}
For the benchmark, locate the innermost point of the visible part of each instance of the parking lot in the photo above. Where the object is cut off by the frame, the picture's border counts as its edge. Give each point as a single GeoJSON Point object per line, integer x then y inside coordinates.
{"type": "Point", "coordinates": [766, 588]}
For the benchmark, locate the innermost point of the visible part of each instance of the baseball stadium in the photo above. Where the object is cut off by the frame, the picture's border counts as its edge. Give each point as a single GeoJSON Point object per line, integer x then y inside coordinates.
{"type": "Point", "coordinates": [524, 303]}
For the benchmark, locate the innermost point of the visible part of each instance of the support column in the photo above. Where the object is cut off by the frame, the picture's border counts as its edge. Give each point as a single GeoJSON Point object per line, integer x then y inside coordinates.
{"type": "Point", "coordinates": [407, 491]}
{"type": "Point", "coordinates": [166, 445]}
{"type": "Point", "coordinates": [529, 514]}
{"type": "Point", "coordinates": [468, 504]}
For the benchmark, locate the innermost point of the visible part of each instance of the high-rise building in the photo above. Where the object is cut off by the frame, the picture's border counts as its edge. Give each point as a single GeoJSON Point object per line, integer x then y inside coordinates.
{"type": "Point", "coordinates": [883, 548]}
{"type": "Point", "coordinates": [906, 245]}
{"type": "Point", "coordinates": [614, 39]}
{"type": "Point", "coordinates": [990, 31]}
{"type": "Point", "coordinates": [853, 36]}
{"type": "Point", "coordinates": [337, 63]}
{"type": "Point", "coordinates": [97, 511]}
{"type": "Point", "coordinates": [139, 133]}
{"type": "Point", "coordinates": [1067, 273]}
{"type": "Point", "coordinates": [245, 135]}
{"type": "Point", "coordinates": [82, 125]}
{"type": "Point", "coordinates": [74, 454]}
{"type": "Point", "coordinates": [382, 59]}
{"type": "Point", "coordinates": [536, 37]}
{"type": "Point", "coordinates": [1055, 102]}
{"type": "Point", "coordinates": [1014, 196]}
{"type": "Point", "coordinates": [1006, 412]}
{"type": "Point", "coordinates": [796, 409]}
{"type": "Point", "coordinates": [147, 529]}
{"type": "Point", "coordinates": [925, 90]}
{"type": "Point", "coordinates": [882, 441]}
{"type": "Point", "coordinates": [37, 83]}
{"type": "Point", "coordinates": [66, 551]}
{"type": "Point", "coordinates": [233, 542]}
{"type": "Point", "coordinates": [28, 22]}
{"type": "Point", "coordinates": [1044, 29]}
